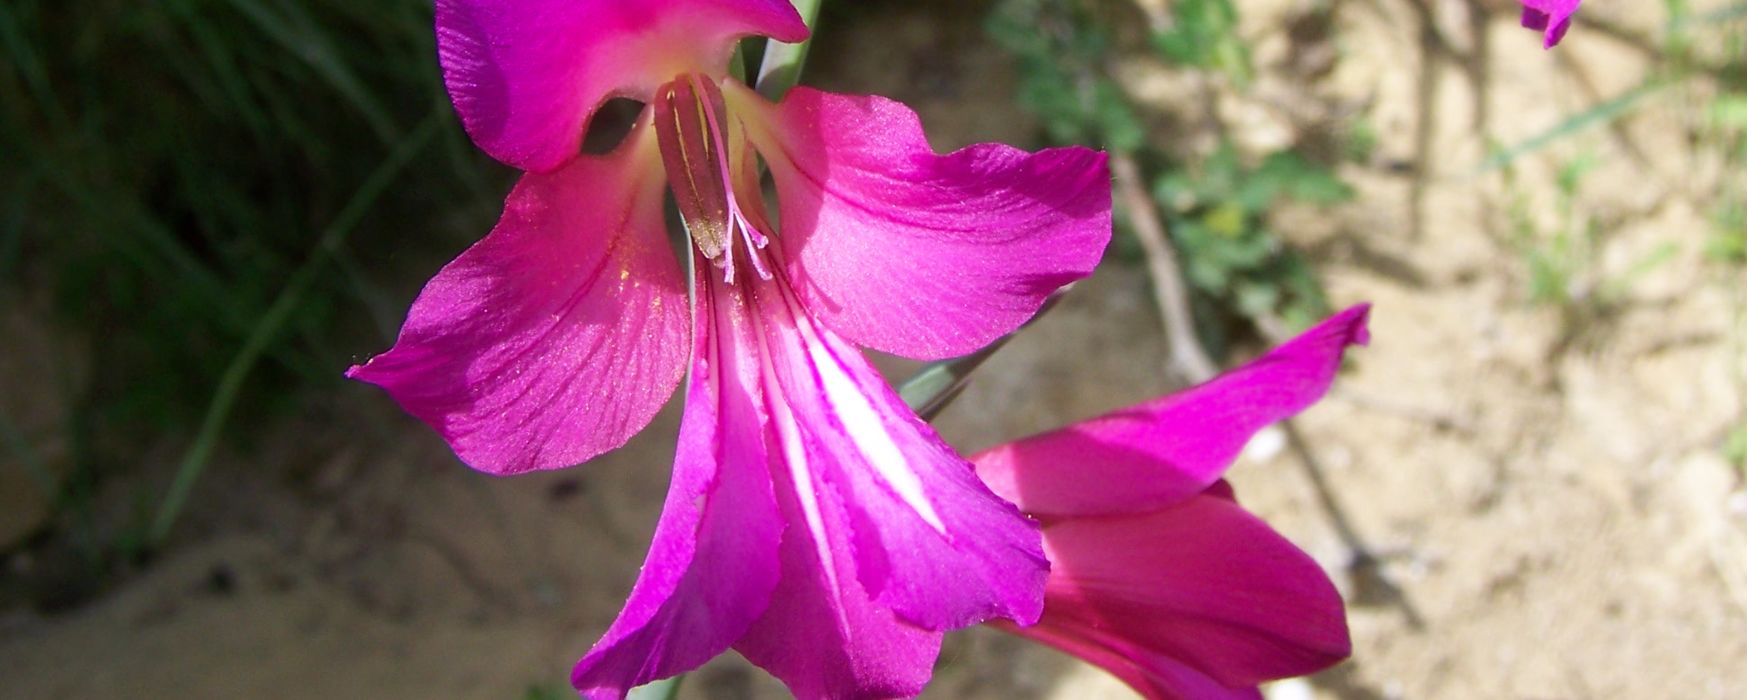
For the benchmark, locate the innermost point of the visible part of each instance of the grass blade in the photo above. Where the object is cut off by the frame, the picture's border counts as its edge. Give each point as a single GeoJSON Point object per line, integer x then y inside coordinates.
{"type": "Point", "coordinates": [1599, 114]}
{"type": "Point", "coordinates": [194, 462]}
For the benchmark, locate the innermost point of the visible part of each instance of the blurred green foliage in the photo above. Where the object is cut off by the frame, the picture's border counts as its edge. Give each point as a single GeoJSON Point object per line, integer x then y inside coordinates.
{"type": "Point", "coordinates": [1203, 34]}
{"type": "Point", "coordinates": [182, 179]}
{"type": "Point", "coordinates": [1215, 206]}
{"type": "Point", "coordinates": [1062, 51]}
{"type": "Point", "coordinates": [1727, 126]}
{"type": "Point", "coordinates": [1564, 261]}
{"type": "Point", "coordinates": [1218, 213]}
{"type": "Point", "coordinates": [1726, 247]}
{"type": "Point", "coordinates": [1735, 448]}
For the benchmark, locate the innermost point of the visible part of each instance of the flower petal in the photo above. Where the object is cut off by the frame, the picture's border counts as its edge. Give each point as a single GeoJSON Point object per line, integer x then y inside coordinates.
{"type": "Point", "coordinates": [713, 563]}
{"type": "Point", "coordinates": [1156, 678]}
{"type": "Point", "coordinates": [1553, 17]}
{"type": "Point", "coordinates": [1163, 451]}
{"type": "Point", "coordinates": [823, 635]}
{"type": "Point", "coordinates": [559, 335]}
{"type": "Point", "coordinates": [928, 539]}
{"type": "Point", "coordinates": [1202, 586]}
{"type": "Point", "coordinates": [525, 75]}
{"type": "Point", "coordinates": [821, 632]}
{"type": "Point", "coordinates": [913, 253]}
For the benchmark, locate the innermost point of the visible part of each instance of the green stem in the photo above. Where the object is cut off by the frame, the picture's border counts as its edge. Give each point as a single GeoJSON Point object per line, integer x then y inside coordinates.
{"type": "Point", "coordinates": [931, 389]}
{"type": "Point", "coordinates": [781, 67]}
{"type": "Point", "coordinates": [230, 385]}
{"type": "Point", "coordinates": [664, 689]}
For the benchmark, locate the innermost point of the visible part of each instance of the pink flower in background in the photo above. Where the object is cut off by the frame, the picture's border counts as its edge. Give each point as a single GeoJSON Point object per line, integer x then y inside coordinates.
{"type": "Point", "coordinates": [1552, 17]}
{"type": "Point", "coordinates": [1157, 575]}
{"type": "Point", "coordinates": [813, 523]}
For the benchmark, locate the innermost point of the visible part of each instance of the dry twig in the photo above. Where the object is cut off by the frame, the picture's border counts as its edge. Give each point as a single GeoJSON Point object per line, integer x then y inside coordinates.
{"type": "Point", "coordinates": [1188, 361]}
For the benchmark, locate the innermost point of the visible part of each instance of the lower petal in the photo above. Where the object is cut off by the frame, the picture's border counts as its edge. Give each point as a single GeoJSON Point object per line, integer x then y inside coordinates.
{"type": "Point", "coordinates": [1153, 676]}
{"type": "Point", "coordinates": [1163, 451]}
{"type": "Point", "coordinates": [559, 335]}
{"type": "Point", "coordinates": [713, 563]}
{"type": "Point", "coordinates": [929, 539]}
{"type": "Point", "coordinates": [823, 635]}
{"type": "Point", "coordinates": [1203, 585]}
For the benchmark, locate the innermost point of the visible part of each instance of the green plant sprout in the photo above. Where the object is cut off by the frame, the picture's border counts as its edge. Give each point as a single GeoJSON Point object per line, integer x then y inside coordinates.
{"type": "Point", "coordinates": [1563, 263]}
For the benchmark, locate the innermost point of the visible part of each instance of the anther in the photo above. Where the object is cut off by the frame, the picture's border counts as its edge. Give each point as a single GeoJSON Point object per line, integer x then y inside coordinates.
{"type": "Point", "coordinates": [690, 116]}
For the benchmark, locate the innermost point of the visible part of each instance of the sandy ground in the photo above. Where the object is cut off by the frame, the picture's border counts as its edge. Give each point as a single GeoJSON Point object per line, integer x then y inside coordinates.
{"type": "Point", "coordinates": [1547, 501]}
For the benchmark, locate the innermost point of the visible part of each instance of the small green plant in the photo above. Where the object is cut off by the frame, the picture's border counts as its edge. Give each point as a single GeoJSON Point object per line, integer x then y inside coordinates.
{"type": "Point", "coordinates": [1061, 49]}
{"type": "Point", "coordinates": [1563, 263]}
{"type": "Point", "coordinates": [1557, 261]}
{"type": "Point", "coordinates": [1218, 214]}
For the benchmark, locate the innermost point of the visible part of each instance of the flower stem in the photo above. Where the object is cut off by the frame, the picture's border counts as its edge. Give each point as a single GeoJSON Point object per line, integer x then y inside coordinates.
{"type": "Point", "coordinates": [1188, 361]}
{"type": "Point", "coordinates": [933, 387]}
{"type": "Point", "coordinates": [664, 689]}
{"type": "Point", "coordinates": [781, 67]}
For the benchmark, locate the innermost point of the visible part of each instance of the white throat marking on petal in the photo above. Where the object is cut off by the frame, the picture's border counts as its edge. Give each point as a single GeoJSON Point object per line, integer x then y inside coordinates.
{"type": "Point", "coordinates": [795, 458]}
{"type": "Point", "coordinates": [866, 427]}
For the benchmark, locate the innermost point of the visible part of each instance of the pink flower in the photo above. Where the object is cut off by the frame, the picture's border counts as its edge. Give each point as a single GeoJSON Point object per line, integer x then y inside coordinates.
{"type": "Point", "coordinates": [1156, 574]}
{"type": "Point", "coordinates": [1552, 17]}
{"type": "Point", "coordinates": [814, 523]}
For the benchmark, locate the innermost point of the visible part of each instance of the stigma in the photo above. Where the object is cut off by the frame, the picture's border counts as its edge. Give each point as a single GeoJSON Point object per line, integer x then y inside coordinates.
{"type": "Point", "coordinates": [698, 151]}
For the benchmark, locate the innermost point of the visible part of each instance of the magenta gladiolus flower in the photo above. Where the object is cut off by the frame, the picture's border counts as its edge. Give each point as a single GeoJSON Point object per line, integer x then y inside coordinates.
{"type": "Point", "coordinates": [814, 523]}
{"type": "Point", "coordinates": [1156, 574]}
{"type": "Point", "coordinates": [1552, 17]}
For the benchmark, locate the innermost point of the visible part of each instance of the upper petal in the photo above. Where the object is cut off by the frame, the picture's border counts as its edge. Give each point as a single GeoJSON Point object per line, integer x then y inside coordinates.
{"type": "Point", "coordinates": [713, 563]}
{"type": "Point", "coordinates": [918, 254]}
{"type": "Point", "coordinates": [928, 539]}
{"type": "Point", "coordinates": [1154, 454]}
{"type": "Point", "coordinates": [559, 335]}
{"type": "Point", "coordinates": [526, 74]}
{"type": "Point", "coordinates": [1199, 589]}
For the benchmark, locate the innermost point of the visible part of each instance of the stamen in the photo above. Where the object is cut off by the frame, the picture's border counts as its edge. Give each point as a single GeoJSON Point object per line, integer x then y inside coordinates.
{"type": "Point", "coordinates": [686, 154]}
{"type": "Point", "coordinates": [752, 252]}
{"type": "Point", "coordinates": [754, 239]}
{"type": "Point", "coordinates": [690, 119]}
